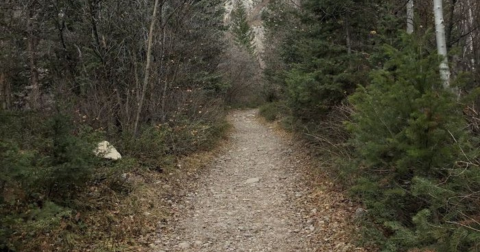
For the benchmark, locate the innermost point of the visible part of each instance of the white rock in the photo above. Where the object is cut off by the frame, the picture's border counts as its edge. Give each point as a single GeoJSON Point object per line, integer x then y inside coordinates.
{"type": "Point", "coordinates": [360, 212]}
{"type": "Point", "coordinates": [252, 181]}
{"type": "Point", "coordinates": [107, 151]}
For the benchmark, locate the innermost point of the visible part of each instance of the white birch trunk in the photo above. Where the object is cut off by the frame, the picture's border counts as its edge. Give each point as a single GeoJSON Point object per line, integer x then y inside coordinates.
{"type": "Point", "coordinates": [441, 41]}
{"type": "Point", "coordinates": [470, 40]}
{"type": "Point", "coordinates": [410, 16]}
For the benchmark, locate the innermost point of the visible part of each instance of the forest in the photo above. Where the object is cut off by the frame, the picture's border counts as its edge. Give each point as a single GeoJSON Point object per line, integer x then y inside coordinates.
{"type": "Point", "coordinates": [384, 92]}
{"type": "Point", "coordinates": [151, 77]}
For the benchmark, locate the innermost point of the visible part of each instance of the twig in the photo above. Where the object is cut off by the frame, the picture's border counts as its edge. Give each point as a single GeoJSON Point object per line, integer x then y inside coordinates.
{"type": "Point", "coordinates": [463, 225]}
{"type": "Point", "coordinates": [461, 149]}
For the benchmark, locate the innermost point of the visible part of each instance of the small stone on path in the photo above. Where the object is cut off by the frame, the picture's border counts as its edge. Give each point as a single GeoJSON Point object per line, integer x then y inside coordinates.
{"type": "Point", "coordinates": [252, 181]}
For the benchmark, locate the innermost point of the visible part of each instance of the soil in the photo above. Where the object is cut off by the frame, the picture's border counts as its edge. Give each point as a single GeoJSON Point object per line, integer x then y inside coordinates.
{"type": "Point", "coordinates": [259, 195]}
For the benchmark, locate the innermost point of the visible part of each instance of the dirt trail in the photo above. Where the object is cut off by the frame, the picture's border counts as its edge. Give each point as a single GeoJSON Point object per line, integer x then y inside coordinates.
{"type": "Point", "coordinates": [248, 199]}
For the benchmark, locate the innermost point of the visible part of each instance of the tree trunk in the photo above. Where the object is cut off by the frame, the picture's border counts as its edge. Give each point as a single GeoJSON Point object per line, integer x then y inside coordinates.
{"type": "Point", "coordinates": [451, 24]}
{"type": "Point", "coordinates": [32, 41]}
{"type": "Point", "coordinates": [147, 68]}
{"type": "Point", "coordinates": [470, 40]}
{"type": "Point", "coordinates": [347, 35]}
{"type": "Point", "coordinates": [165, 83]}
{"type": "Point", "coordinates": [3, 93]}
{"type": "Point", "coordinates": [441, 42]}
{"type": "Point", "coordinates": [410, 16]}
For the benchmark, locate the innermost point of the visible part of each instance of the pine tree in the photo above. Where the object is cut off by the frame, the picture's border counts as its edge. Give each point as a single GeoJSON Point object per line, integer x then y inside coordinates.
{"type": "Point", "coordinates": [409, 135]}
{"type": "Point", "coordinates": [323, 64]}
{"type": "Point", "coordinates": [241, 30]}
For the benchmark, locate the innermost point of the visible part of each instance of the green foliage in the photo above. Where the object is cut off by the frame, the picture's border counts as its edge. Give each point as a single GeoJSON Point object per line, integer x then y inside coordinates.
{"type": "Point", "coordinates": [409, 156]}
{"type": "Point", "coordinates": [43, 165]}
{"type": "Point", "coordinates": [272, 111]}
{"type": "Point", "coordinates": [33, 221]}
{"type": "Point", "coordinates": [241, 29]}
{"type": "Point", "coordinates": [15, 165]}
{"type": "Point", "coordinates": [323, 66]}
{"type": "Point", "coordinates": [269, 111]}
{"type": "Point", "coordinates": [158, 146]}
{"type": "Point", "coordinates": [47, 158]}
{"type": "Point", "coordinates": [187, 137]}
{"type": "Point", "coordinates": [92, 56]}
{"type": "Point", "coordinates": [150, 146]}
{"type": "Point", "coordinates": [410, 139]}
{"type": "Point", "coordinates": [70, 161]}
{"type": "Point", "coordinates": [43, 178]}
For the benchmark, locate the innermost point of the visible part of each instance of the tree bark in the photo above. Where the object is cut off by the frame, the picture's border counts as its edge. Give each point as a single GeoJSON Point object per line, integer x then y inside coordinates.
{"type": "Point", "coordinates": [410, 16]}
{"type": "Point", "coordinates": [348, 38]}
{"type": "Point", "coordinates": [147, 68]}
{"type": "Point", "coordinates": [165, 84]}
{"type": "Point", "coordinates": [470, 39]}
{"type": "Point", "coordinates": [3, 92]}
{"type": "Point", "coordinates": [451, 24]}
{"type": "Point", "coordinates": [441, 41]}
{"type": "Point", "coordinates": [32, 41]}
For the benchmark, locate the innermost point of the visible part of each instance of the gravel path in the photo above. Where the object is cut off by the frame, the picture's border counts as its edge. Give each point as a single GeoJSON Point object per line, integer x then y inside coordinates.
{"type": "Point", "coordinates": [246, 202]}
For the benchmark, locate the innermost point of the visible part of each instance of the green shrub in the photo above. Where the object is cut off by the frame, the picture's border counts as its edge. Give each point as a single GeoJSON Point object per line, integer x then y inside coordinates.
{"type": "Point", "coordinates": [70, 162]}
{"type": "Point", "coordinates": [414, 157]}
{"type": "Point", "coordinates": [49, 159]}
{"type": "Point", "coordinates": [149, 147]}
{"type": "Point", "coordinates": [44, 164]}
{"type": "Point", "coordinates": [271, 111]}
{"type": "Point", "coordinates": [188, 136]}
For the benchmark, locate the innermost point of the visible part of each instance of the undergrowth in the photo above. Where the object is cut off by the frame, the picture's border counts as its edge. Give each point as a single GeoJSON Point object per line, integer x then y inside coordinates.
{"type": "Point", "coordinates": [55, 195]}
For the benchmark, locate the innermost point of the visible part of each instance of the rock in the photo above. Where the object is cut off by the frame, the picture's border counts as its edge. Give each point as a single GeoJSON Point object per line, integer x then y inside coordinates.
{"type": "Point", "coordinates": [252, 181]}
{"type": "Point", "coordinates": [107, 151]}
{"type": "Point", "coordinates": [184, 245]}
{"type": "Point", "coordinates": [360, 212]}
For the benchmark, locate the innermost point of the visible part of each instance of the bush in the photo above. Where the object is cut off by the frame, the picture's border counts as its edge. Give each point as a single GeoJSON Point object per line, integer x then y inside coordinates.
{"type": "Point", "coordinates": [271, 111]}
{"type": "Point", "coordinates": [70, 162]}
{"type": "Point", "coordinates": [150, 146]}
{"type": "Point", "coordinates": [415, 163]}
{"type": "Point", "coordinates": [44, 164]}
